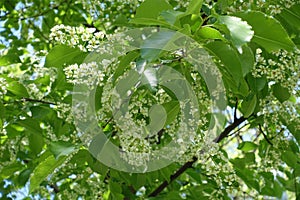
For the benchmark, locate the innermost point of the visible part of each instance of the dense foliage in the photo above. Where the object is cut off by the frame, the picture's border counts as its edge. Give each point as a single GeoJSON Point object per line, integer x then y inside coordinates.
{"type": "Point", "coordinates": [51, 50]}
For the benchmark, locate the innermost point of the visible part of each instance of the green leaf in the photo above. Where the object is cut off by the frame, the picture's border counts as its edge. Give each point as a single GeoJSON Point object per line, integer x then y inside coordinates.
{"type": "Point", "coordinates": [247, 60]}
{"type": "Point", "coordinates": [2, 46]}
{"type": "Point", "coordinates": [35, 137]}
{"type": "Point", "coordinates": [17, 89]}
{"type": "Point", "coordinates": [124, 63]}
{"type": "Point", "coordinates": [158, 118]}
{"type": "Point", "coordinates": [153, 45]}
{"type": "Point", "coordinates": [36, 142]}
{"type": "Point", "coordinates": [11, 57]}
{"type": "Point", "coordinates": [172, 109]}
{"type": "Point", "coordinates": [10, 169]}
{"type": "Point", "coordinates": [248, 177]}
{"type": "Point", "coordinates": [228, 57]}
{"type": "Point", "coordinates": [240, 31]}
{"type": "Point", "coordinates": [43, 170]}
{"type": "Point", "coordinates": [248, 105]}
{"type": "Point", "coordinates": [247, 146]}
{"type": "Point", "coordinates": [152, 9]}
{"type": "Point", "coordinates": [63, 55]}
{"type": "Point", "coordinates": [281, 93]}
{"type": "Point", "coordinates": [24, 176]}
{"type": "Point", "coordinates": [206, 32]}
{"type": "Point", "coordinates": [116, 189]}
{"type": "Point", "coordinates": [268, 32]}
{"type": "Point", "coordinates": [290, 159]}
{"type": "Point", "coordinates": [61, 148]}
{"type": "Point", "coordinates": [292, 15]}
{"type": "Point", "coordinates": [194, 7]}
{"type": "Point", "coordinates": [256, 84]}
{"type": "Point", "coordinates": [154, 22]}
{"type": "Point", "coordinates": [31, 125]}
{"type": "Point", "coordinates": [171, 16]}
{"type": "Point", "coordinates": [41, 112]}
{"type": "Point", "coordinates": [290, 19]}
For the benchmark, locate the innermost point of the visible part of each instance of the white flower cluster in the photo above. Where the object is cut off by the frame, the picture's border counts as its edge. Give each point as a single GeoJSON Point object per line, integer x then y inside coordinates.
{"type": "Point", "coordinates": [86, 39]}
{"type": "Point", "coordinates": [94, 186]}
{"type": "Point", "coordinates": [3, 86]}
{"type": "Point", "coordinates": [64, 111]}
{"type": "Point", "coordinates": [85, 73]}
{"type": "Point", "coordinates": [218, 167]}
{"type": "Point", "coordinates": [34, 91]}
{"type": "Point", "coordinates": [272, 7]}
{"type": "Point", "coordinates": [282, 67]}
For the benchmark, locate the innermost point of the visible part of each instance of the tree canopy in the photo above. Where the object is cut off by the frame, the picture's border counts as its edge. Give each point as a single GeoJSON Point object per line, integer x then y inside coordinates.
{"type": "Point", "coordinates": [149, 99]}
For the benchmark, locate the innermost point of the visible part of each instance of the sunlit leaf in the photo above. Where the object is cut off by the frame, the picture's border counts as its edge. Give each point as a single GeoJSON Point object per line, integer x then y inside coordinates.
{"type": "Point", "coordinates": [268, 32]}
{"type": "Point", "coordinates": [240, 31]}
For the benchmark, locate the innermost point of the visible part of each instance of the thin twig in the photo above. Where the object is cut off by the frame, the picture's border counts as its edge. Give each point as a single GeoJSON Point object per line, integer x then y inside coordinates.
{"type": "Point", "coordinates": [235, 109]}
{"type": "Point", "coordinates": [37, 101]}
{"type": "Point", "coordinates": [265, 136]}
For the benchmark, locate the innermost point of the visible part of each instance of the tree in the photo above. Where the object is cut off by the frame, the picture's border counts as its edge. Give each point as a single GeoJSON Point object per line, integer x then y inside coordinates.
{"type": "Point", "coordinates": [150, 99]}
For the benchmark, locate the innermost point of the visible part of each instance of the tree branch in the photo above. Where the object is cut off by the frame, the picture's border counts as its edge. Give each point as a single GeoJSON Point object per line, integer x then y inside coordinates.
{"type": "Point", "coordinates": [229, 128]}
{"type": "Point", "coordinates": [189, 164]}
{"type": "Point", "coordinates": [37, 101]}
{"type": "Point", "coordinates": [265, 136]}
{"type": "Point", "coordinates": [173, 177]}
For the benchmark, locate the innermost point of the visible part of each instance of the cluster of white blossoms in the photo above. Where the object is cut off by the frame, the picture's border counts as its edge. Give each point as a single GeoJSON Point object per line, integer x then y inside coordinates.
{"type": "Point", "coordinates": [282, 67]}
{"type": "Point", "coordinates": [86, 39]}
{"type": "Point", "coordinates": [8, 149]}
{"type": "Point", "coordinates": [271, 7]}
{"type": "Point", "coordinates": [3, 86]}
{"type": "Point", "coordinates": [218, 168]}
{"type": "Point", "coordinates": [64, 111]}
{"type": "Point", "coordinates": [85, 73]}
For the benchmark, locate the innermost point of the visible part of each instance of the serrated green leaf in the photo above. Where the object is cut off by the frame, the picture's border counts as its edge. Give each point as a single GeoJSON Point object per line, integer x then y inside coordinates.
{"type": "Point", "coordinates": [247, 146]}
{"type": "Point", "coordinates": [229, 57]}
{"type": "Point", "coordinates": [43, 170]}
{"type": "Point", "coordinates": [240, 31]}
{"type": "Point", "coordinates": [10, 58]}
{"type": "Point", "coordinates": [206, 32]}
{"type": "Point", "coordinates": [154, 22]}
{"type": "Point", "coordinates": [172, 109]}
{"type": "Point", "coordinates": [153, 45]}
{"type": "Point", "coordinates": [152, 9]}
{"type": "Point", "coordinates": [36, 142]}
{"type": "Point", "coordinates": [61, 148]}
{"type": "Point", "coordinates": [292, 15]}
{"type": "Point", "coordinates": [256, 84]}
{"type": "Point", "coordinates": [31, 125]}
{"type": "Point", "coordinates": [290, 19]}
{"type": "Point", "coordinates": [247, 60]}
{"type": "Point", "coordinates": [158, 117]}
{"type": "Point", "coordinates": [24, 176]}
{"type": "Point", "coordinates": [281, 93]}
{"type": "Point", "coordinates": [17, 89]}
{"type": "Point", "coordinates": [124, 62]}
{"type": "Point", "coordinates": [268, 32]}
{"type": "Point", "coordinates": [194, 7]}
{"type": "Point", "coordinates": [171, 16]}
{"type": "Point", "coordinates": [10, 169]}
{"type": "Point", "coordinates": [63, 55]}
{"type": "Point", "coordinates": [290, 159]}
{"type": "Point", "coordinates": [248, 106]}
